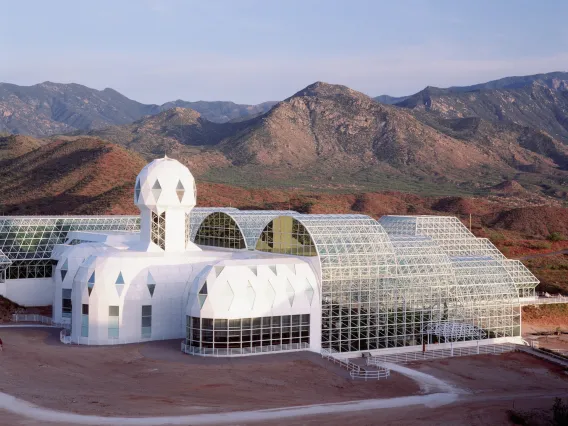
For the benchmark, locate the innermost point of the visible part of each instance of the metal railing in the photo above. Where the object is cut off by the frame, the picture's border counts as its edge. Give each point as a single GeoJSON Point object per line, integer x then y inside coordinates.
{"type": "Point", "coordinates": [404, 357]}
{"type": "Point", "coordinates": [355, 370]}
{"type": "Point", "coordinates": [548, 355]}
{"type": "Point", "coordinates": [256, 350]}
{"type": "Point", "coordinates": [42, 319]}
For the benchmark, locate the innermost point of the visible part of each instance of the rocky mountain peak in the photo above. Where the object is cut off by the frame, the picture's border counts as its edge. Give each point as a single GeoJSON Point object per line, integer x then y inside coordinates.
{"type": "Point", "coordinates": [327, 90]}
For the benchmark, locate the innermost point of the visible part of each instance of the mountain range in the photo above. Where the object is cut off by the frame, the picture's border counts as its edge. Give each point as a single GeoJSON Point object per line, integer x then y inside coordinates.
{"type": "Point", "coordinates": [437, 141]}
{"type": "Point", "coordinates": [53, 108]}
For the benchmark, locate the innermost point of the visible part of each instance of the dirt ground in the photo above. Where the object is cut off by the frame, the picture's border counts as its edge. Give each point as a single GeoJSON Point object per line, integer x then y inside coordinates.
{"type": "Point", "coordinates": [155, 379]}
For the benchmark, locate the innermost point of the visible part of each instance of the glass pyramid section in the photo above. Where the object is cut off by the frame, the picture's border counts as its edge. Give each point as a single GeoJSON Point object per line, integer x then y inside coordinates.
{"type": "Point", "coordinates": [64, 269]}
{"type": "Point", "coordinates": [137, 191]}
{"type": "Point", "coordinates": [156, 190]}
{"type": "Point", "coordinates": [119, 284]}
{"type": "Point", "coordinates": [91, 283]}
{"type": "Point", "coordinates": [151, 284]}
{"type": "Point", "coordinates": [180, 190]}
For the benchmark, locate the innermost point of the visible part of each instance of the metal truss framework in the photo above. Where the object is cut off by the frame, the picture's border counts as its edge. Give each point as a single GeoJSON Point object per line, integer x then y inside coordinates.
{"type": "Point", "coordinates": [488, 285]}
{"type": "Point", "coordinates": [356, 259]}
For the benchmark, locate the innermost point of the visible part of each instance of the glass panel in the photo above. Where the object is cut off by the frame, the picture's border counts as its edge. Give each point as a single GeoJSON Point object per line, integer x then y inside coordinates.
{"type": "Point", "coordinates": [220, 230]}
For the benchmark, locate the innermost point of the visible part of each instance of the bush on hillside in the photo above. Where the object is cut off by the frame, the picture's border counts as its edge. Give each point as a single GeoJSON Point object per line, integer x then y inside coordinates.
{"type": "Point", "coordinates": [555, 236]}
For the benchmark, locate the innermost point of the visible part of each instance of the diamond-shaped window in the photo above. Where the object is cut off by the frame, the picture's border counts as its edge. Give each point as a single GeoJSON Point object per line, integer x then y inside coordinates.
{"type": "Point", "coordinates": [180, 190]}
{"type": "Point", "coordinates": [64, 269]}
{"type": "Point", "coordinates": [119, 284]}
{"type": "Point", "coordinates": [151, 284]}
{"type": "Point", "coordinates": [202, 295]}
{"type": "Point", "coordinates": [156, 190]}
{"type": "Point", "coordinates": [137, 191]}
{"type": "Point", "coordinates": [290, 291]}
{"type": "Point", "coordinates": [91, 283]}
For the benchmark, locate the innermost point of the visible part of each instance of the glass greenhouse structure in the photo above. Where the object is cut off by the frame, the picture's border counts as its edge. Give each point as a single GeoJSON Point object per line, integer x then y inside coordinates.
{"type": "Point", "coordinates": [399, 281]}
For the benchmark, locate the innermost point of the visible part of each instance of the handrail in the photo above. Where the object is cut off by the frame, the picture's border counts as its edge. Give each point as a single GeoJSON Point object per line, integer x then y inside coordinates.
{"type": "Point", "coordinates": [356, 371]}
{"type": "Point", "coordinates": [216, 352]}
{"type": "Point", "coordinates": [404, 357]}
{"type": "Point", "coordinates": [38, 318]}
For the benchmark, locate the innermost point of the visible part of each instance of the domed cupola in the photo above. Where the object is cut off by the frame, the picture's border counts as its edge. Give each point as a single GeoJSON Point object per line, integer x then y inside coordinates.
{"type": "Point", "coordinates": [165, 193]}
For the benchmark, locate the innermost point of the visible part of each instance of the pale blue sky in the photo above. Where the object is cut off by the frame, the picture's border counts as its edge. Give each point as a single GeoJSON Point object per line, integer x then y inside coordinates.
{"type": "Point", "coordinates": [250, 51]}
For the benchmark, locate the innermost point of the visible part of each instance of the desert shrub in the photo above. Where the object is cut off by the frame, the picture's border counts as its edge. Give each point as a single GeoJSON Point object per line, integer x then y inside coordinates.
{"type": "Point", "coordinates": [555, 236]}
{"type": "Point", "coordinates": [557, 416]}
{"type": "Point", "coordinates": [496, 236]}
{"type": "Point", "coordinates": [539, 245]}
{"type": "Point", "coordinates": [559, 412]}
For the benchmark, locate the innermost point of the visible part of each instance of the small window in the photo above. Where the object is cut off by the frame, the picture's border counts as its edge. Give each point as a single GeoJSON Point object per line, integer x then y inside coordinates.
{"type": "Point", "coordinates": [113, 322]}
{"type": "Point", "coordinates": [147, 321]}
{"type": "Point", "coordinates": [66, 306]}
{"type": "Point", "coordinates": [85, 320]}
{"type": "Point", "coordinates": [180, 190]}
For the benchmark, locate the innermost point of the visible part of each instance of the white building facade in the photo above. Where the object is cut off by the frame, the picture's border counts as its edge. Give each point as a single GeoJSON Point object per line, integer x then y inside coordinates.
{"type": "Point", "coordinates": [231, 282]}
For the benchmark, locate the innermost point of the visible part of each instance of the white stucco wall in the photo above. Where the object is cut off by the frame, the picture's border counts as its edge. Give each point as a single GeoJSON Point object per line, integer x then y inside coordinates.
{"type": "Point", "coordinates": [29, 291]}
{"type": "Point", "coordinates": [171, 274]}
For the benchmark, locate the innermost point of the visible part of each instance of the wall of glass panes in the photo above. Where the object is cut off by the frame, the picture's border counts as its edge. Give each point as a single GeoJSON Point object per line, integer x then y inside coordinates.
{"type": "Point", "coordinates": [220, 230]}
{"type": "Point", "coordinates": [247, 332]}
{"type": "Point", "coordinates": [29, 240]}
{"type": "Point", "coordinates": [21, 269]}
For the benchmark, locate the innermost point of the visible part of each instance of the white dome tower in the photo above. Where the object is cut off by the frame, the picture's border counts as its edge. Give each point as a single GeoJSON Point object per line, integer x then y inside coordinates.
{"type": "Point", "coordinates": [165, 194]}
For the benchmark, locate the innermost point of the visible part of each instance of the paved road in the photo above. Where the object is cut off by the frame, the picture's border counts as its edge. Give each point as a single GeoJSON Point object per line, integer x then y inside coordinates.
{"type": "Point", "coordinates": [554, 253]}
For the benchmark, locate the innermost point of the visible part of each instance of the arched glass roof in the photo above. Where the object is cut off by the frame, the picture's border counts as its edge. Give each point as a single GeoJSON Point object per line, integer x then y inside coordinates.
{"type": "Point", "coordinates": [356, 259]}
{"type": "Point", "coordinates": [249, 222]}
